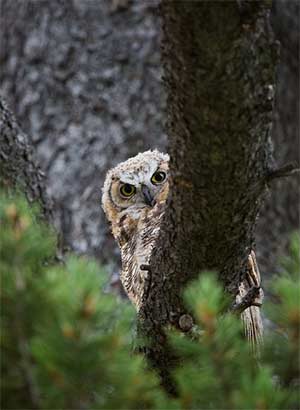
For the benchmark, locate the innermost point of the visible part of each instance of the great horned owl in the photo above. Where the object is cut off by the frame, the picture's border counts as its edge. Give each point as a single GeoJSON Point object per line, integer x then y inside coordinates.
{"type": "Point", "coordinates": [134, 195]}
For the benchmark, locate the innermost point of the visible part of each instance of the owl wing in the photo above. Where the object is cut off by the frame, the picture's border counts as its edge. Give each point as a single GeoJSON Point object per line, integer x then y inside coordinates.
{"type": "Point", "coordinates": [251, 316]}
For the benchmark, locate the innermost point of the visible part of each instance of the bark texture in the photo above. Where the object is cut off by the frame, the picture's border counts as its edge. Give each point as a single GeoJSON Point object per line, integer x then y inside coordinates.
{"type": "Point", "coordinates": [84, 80]}
{"type": "Point", "coordinates": [18, 166]}
{"type": "Point", "coordinates": [220, 60]}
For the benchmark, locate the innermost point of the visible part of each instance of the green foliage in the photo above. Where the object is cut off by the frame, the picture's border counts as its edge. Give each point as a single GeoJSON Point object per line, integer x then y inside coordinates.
{"type": "Point", "coordinates": [282, 347]}
{"type": "Point", "coordinates": [220, 371]}
{"type": "Point", "coordinates": [67, 344]}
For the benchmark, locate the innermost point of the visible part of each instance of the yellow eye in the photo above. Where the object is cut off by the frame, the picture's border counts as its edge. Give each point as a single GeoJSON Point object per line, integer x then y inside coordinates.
{"type": "Point", "coordinates": [127, 190]}
{"type": "Point", "coordinates": [158, 177]}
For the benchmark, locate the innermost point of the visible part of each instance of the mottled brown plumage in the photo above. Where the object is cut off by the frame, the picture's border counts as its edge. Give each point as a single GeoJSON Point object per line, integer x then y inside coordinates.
{"type": "Point", "coordinates": [251, 316]}
{"type": "Point", "coordinates": [135, 220]}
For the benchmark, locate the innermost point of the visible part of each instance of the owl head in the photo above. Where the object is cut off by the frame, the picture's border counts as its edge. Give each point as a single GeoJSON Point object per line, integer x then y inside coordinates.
{"type": "Point", "coordinates": [138, 183]}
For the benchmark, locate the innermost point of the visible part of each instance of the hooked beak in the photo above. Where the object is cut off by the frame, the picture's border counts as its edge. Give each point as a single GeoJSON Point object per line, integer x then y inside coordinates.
{"type": "Point", "coordinates": [147, 196]}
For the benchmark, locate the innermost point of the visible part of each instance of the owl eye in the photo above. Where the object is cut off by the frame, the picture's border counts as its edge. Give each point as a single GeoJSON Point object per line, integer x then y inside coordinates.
{"type": "Point", "coordinates": [127, 190]}
{"type": "Point", "coordinates": [158, 177]}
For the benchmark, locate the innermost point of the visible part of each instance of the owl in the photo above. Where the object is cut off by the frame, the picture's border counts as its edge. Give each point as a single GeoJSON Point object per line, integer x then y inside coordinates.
{"type": "Point", "coordinates": [134, 197]}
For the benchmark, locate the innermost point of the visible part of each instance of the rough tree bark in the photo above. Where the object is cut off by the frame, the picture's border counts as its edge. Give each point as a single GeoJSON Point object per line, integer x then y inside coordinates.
{"type": "Point", "coordinates": [220, 60]}
{"type": "Point", "coordinates": [18, 166]}
{"type": "Point", "coordinates": [84, 80]}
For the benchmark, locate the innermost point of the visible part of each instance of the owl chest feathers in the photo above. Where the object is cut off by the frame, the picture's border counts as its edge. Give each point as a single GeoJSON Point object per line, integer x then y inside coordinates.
{"type": "Point", "coordinates": [137, 239]}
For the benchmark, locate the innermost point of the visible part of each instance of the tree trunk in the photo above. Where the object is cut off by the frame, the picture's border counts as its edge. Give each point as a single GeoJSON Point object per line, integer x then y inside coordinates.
{"type": "Point", "coordinates": [220, 60]}
{"type": "Point", "coordinates": [18, 167]}
{"type": "Point", "coordinates": [77, 73]}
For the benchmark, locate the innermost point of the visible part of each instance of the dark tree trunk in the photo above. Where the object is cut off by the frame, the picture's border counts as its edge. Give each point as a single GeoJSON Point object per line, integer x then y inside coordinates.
{"type": "Point", "coordinates": [220, 60]}
{"type": "Point", "coordinates": [18, 166]}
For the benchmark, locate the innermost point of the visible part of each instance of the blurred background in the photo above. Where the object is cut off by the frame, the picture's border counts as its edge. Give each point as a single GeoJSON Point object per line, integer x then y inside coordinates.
{"type": "Point", "coordinates": [84, 79]}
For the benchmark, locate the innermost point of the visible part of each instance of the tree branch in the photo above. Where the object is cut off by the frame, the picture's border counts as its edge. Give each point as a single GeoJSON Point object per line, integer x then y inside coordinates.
{"type": "Point", "coordinates": [285, 171]}
{"type": "Point", "coordinates": [247, 301]}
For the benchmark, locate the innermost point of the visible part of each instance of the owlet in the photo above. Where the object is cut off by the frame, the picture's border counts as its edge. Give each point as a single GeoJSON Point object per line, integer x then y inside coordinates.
{"type": "Point", "coordinates": [134, 196]}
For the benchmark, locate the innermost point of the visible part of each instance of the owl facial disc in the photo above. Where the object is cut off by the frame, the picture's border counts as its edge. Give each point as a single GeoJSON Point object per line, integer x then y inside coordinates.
{"type": "Point", "coordinates": [138, 183]}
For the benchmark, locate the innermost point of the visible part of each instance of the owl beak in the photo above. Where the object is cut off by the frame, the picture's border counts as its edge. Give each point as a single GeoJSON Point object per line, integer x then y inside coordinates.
{"type": "Point", "coordinates": [148, 196]}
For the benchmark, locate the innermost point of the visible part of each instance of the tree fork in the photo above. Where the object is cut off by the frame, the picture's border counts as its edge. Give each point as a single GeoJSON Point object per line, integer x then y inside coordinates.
{"type": "Point", "coordinates": [219, 61]}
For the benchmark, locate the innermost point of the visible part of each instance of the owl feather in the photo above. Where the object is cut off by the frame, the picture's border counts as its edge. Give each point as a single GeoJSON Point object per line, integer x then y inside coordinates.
{"type": "Point", "coordinates": [136, 220]}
